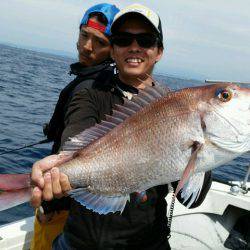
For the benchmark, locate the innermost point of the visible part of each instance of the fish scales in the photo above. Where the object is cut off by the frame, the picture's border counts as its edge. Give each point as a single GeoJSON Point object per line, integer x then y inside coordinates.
{"type": "Point", "coordinates": [134, 154]}
{"type": "Point", "coordinates": [196, 129]}
{"type": "Point", "coordinates": [154, 145]}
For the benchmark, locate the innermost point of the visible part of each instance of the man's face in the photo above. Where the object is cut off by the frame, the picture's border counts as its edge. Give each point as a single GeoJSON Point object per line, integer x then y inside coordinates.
{"type": "Point", "coordinates": [93, 46]}
{"type": "Point", "coordinates": [134, 61]}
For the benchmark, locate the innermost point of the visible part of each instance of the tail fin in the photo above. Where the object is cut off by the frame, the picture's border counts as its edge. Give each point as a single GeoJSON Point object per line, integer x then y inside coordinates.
{"type": "Point", "coordinates": [14, 190]}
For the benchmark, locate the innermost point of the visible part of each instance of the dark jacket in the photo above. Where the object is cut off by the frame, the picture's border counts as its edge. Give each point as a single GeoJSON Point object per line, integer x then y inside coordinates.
{"type": "Point", "coordinates": [57, 130]}
{"type": "Point", "coordinates": [140, 226]}
{"type": "Point", "coordinates": [86, 77]}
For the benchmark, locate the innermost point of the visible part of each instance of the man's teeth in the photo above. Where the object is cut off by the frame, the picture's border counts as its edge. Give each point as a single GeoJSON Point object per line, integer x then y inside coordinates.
{"type": "Point", "coordinates": [134, 60]}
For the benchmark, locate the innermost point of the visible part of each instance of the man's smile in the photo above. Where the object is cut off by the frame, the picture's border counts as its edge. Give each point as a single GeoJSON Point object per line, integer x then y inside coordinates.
{"type": "Point", "coordinates": [134, 61]}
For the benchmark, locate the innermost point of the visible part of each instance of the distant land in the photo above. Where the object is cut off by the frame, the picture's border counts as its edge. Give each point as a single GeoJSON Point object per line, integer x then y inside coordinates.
{"type": "Point", "coordinates": [43, 50]}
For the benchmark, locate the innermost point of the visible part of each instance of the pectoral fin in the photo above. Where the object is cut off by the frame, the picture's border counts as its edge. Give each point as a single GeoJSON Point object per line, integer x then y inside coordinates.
{"type": "Point", "coordinates": [101, 204]}
{"type": "Point", "coordinates": [189, 170]}
{"type": "Point", "coordinates": [192, 188]}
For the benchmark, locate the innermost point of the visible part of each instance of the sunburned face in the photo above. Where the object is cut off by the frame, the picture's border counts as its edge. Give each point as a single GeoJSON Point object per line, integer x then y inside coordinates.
{"type": "Point", "coordinates": [93, 46]}
{"type": "Point", "coordinates": [134, 61]}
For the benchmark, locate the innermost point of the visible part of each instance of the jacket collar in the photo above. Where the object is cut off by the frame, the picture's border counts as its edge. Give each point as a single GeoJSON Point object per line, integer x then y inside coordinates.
{"type": "Point", "coordinates": [79, 70]}
{"type": "Point", "coordinates": [124, 87]}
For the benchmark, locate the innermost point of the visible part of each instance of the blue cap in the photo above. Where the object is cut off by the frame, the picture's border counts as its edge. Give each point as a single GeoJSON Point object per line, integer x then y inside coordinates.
{"type": "Point", "coordinates": [108, 10]}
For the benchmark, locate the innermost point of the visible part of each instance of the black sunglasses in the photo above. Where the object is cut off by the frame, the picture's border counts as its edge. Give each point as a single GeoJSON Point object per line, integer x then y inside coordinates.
{"type": "Point", "coordinates": [144, 40]}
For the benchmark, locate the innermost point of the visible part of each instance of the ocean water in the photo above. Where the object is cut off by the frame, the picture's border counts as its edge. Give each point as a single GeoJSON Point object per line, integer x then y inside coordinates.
{"type": "Point", "coordinates": [30, 83]}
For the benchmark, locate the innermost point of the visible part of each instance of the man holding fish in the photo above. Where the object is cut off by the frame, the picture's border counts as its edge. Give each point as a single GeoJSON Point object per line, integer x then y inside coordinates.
{"type": "Point", "coordinates": [137, 44]}
{"type": "Point", "coordinates": [153, 139]}
{"type": "Point", "coordinates": [94, 62]}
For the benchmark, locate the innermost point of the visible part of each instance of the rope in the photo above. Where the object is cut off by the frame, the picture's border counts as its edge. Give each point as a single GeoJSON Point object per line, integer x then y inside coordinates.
{"type": "Point", "coordinates": [171, 209]}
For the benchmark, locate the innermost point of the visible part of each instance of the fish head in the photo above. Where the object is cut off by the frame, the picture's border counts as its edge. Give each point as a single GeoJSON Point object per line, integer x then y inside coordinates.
{"type": "Point", "coordinates": [225, 110]}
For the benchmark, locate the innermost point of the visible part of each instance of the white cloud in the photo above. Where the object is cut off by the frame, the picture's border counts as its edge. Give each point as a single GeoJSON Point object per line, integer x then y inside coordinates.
{"type": "Point", "coordinates": [207, 38]}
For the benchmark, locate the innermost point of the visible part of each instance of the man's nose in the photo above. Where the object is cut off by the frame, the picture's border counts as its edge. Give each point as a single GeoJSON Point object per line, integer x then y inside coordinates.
{"type": "Point", "coordinates": [88, 45]}
{"type": "Point", "coordinates": [134, 46]}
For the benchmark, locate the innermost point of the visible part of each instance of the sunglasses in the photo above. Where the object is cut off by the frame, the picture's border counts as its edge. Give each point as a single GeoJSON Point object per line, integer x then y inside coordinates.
{"type": "Point", "coordinates": [144, 40]}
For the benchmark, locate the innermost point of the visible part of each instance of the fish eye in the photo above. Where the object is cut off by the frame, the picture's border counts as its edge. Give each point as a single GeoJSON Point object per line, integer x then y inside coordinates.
{"type": "Point", "coordinates": [225, 95]}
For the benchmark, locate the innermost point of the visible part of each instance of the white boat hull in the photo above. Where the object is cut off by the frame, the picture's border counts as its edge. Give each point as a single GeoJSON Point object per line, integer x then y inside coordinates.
{"type": "Point", "coordinates": [17, 235]}
{"type": "Point", "coordinates": [205, 227]}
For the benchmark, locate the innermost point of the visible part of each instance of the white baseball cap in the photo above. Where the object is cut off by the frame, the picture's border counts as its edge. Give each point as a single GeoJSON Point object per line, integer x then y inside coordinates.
{"type": "Point", "coordinates": [144, 11]}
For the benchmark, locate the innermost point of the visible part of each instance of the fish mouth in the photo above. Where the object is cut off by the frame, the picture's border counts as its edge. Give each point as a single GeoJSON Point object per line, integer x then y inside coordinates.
{"type": "Point", "coordinates": [217, 112]}
{"type": "Point", "coordinates": [241, 136]}
{"type": "Point", "coordinates": [242, 145]}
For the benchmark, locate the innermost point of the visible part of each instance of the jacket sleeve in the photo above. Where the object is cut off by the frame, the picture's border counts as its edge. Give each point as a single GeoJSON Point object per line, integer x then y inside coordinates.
{"type": "Point", "coordinates": [81, 114]}
{"type": "Point", "coordinates": [50, 129]}
{"type": "Point", "coordinates": [205, 188]}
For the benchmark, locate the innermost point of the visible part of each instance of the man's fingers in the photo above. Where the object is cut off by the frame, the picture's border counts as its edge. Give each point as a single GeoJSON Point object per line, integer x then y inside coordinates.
{"type": "Point", "coordinates": [51, 161]}
{"type": "Point", "coordinates": [40, 167]}
{"type": "Point", "coordinates": [36, 197]}
{"type": "Point", "coordinates": [45, 164]}
{"type": "Point", "coordinates": [56, 186]}
{"type": "Point", "coordinates": [37, 175]}
{"type": "Point", "coordinates": [65, 184]}
{"type": "Point", "coordinates": [47, 190]}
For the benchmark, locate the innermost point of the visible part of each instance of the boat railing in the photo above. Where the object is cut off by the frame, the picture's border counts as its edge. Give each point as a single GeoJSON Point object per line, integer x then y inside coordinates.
{"type": "Point", "coordinates": [237, 187]}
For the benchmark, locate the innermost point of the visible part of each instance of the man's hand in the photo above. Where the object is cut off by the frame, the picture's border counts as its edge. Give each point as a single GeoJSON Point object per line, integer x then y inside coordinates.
{"type": "Point", "coordinates": [48, 181]}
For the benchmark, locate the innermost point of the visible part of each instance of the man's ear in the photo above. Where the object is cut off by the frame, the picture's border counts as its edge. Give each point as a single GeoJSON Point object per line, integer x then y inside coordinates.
{"type": "Point", "coordinates": [77, 45]}
{"type": "Point", "coordinates": [160, 53]}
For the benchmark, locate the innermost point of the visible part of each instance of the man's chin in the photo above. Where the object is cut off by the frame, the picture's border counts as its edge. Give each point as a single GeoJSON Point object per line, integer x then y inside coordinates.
{"type": "Point", "coordinates": [86, 62]}
{"type": "Point", "coordinates": [133, 71]}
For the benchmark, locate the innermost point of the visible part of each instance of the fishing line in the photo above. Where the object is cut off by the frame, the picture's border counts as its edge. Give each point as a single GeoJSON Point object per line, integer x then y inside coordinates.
{"type": "Point", "coordinates": [7, 151]}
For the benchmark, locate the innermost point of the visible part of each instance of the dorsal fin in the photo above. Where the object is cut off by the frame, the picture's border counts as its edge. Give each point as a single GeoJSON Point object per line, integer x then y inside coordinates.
{"type": "Point", "coordinates": [97, 130]}
{"type": "Point", "coordinates": [131, 105]}
{"type": "Point", "coordinates": [161, 89]}
{"type": "Point", "coordinates": [120, 113]}
{"type": "Point", "coordinates": [113, 119]}
{"type": "Point", "coordinates": [156, 91]}
{"type": "Point", "coordinates": [103, 127]}
{"type": "Point", "coordinates": [125, 109]}
{"type": "Point", "coordinates": [108, 124]}
{"type": "Point", "coordinates": [140, 100]}
{"type": "Point", "coordinates": [146, 96]}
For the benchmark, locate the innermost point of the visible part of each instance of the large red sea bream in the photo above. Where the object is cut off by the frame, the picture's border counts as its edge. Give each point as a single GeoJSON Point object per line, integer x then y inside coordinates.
{"type": "Point", "coordinates": [157, 138]}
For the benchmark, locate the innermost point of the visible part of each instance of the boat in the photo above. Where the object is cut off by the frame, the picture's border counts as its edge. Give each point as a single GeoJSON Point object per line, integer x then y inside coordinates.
{"type": "Point", "coordinates": [220, 222]}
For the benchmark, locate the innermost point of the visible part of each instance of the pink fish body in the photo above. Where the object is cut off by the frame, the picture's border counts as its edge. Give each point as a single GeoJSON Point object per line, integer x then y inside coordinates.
{"type": "Point", "coordinates": [158, 138]}
{"type": "Point", "coordinates": [154, 145]}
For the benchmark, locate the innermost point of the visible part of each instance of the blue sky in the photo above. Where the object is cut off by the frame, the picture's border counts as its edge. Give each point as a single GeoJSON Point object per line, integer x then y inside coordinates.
{"type": "Point", "coordinates": [204, 39]}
